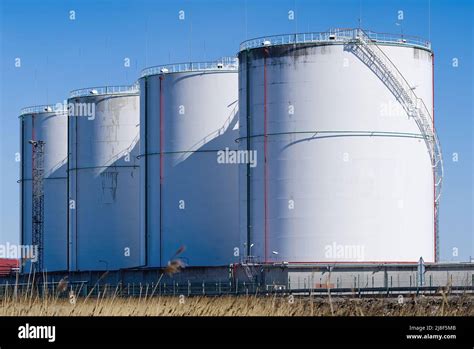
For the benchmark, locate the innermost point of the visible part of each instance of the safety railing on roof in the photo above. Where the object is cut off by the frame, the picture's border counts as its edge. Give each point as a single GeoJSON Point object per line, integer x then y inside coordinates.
{"type": "Point", "coordinates": [226, 63]}
{"type": "Point", "coordinates": [105, 90]}
{"type": "Point", "coordinates": [47, 108]}
{"type": "Point", "coordinates": [334, 35]}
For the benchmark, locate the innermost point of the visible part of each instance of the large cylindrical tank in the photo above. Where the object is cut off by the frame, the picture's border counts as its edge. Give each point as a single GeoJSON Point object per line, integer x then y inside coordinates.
{"type": "Point", "coordinates": [103, 133]}
{"type": "Point", "coordinates": [343, 172]}
{"type": "Point", "coordinates": [48, 124]}
{"type": "Point", "coordinates": [189, 200]}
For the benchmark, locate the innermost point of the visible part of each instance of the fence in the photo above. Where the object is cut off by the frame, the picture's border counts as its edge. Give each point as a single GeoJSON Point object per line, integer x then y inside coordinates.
{"type": "Point", "coordinates": [238, 288]}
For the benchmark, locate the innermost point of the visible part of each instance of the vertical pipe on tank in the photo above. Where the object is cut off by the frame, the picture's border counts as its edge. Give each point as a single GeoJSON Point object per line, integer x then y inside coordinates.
{"type": "Point", "coordinates": [265, 151]}
{"type": "Point", "coordinates": [76, 157]}
{"type": "Point", "coordinates": [72, 194]}
{"type": "Point", "coordinates": [248, 150]}
{"type": "Point", "coordinates": [33, 138]}
{"type": "Point", "coordinates": [68, 193]}
{"type": "Point", "coordinates": [22, 182]}
{"type": "Point", "coordinates": [74, 215]}
{"type": "Point", "coordinates": [68, 240]}
{"type": "Point", "coordinates": [247, 90]}
{"type": "Point", "coordinates": [145, 154]}
{"type": "Point", "coordinates": [435, 206]}
{"type": "Point", "coordinates": [161, 167]}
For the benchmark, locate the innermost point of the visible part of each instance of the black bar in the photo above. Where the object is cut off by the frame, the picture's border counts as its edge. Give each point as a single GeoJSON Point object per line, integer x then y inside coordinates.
{"type": "Point", "coordinates": [334, 332]}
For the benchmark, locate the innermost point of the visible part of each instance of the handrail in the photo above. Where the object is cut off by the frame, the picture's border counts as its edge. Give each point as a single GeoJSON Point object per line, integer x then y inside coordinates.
{"type": "Point", "coordinates": [46, 108]}
{"type": "Point", "coordinates": [414, 105]}
{"type": "Point", "coordinates": [334, 35]}
{"type": "Point", "coordinates": [225, 63]}
{"type": "Point", "coordinates": [105, 90]}
{"type": "Point", "coordinates": [409, 88]}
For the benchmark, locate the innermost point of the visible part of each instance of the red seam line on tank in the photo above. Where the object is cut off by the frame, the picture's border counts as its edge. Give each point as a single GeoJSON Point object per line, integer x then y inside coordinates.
{"type": "Point", "coordinates": [161, 130]}
{"type": "Point", "coordinates": [265, 146]}
{"type": "Point", "coordinates": [33, 137]}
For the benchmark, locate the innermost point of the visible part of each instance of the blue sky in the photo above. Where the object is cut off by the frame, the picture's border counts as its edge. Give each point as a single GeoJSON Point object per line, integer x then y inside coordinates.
{"type": "Point", "coordinates": [59, 54]}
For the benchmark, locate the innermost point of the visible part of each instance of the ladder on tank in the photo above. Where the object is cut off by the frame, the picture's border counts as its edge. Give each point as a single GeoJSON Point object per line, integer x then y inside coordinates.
{"type": "Point", "coordinates": [373, 56]}
{"type": "Point", "coordinates": [38, 201]}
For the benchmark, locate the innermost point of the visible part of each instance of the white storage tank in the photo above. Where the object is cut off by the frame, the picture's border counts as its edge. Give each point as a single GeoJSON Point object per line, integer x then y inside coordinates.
{"type": "Point", "coordinates": [104, 178]}
{"type": "Point", "coordinates": [47, 124]}
{"type": "Point", "coordinates": [344, 171]}
{"type": "Point", "coordinates": [189, 201]}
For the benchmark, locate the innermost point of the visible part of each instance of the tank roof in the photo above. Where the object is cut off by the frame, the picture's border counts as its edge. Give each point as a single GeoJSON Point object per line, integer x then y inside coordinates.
{"type": "Point", "coordinates": [105, 90]}
{"type": "Point", "coordinates": [223, 64]}
{"type": "Point", "coordinates": [334, 36]}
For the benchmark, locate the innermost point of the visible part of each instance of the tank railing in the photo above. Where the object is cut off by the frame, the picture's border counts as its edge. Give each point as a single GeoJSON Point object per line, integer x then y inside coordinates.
{"type": "Point", "coordinates": [414, 105]}
{"type": "Point", "coordinates": [226, 63]}
{"type": "Point", "coordinates": [105, 90]}
{"type": "Point", "coordinates": [389, 38]}
{"type": "Point", "coordinates": [47, 108]}
{"type": "Point", "coordinates": [212, 135]}
{"type": "Point", "coordinates": [335, 35]}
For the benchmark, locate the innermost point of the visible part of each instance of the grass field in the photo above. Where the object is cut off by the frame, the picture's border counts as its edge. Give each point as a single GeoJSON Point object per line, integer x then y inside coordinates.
{"type": "Point", "coordinates": [281, 305]}
{"type": "Point", "coordinates": [107, 301]}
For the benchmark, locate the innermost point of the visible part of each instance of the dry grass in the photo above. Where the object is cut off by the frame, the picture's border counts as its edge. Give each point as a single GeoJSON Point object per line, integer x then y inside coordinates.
{"type": "Point", "coordinates": [52, 305]}
{"type": "Point", "coordinates": [107, 302]}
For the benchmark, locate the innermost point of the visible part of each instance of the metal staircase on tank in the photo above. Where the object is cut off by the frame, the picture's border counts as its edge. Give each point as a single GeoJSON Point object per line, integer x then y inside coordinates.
{"type": "Point", "coordinates": [248, 271]}
{"type": "Point", "coordinates": [373, 56]}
